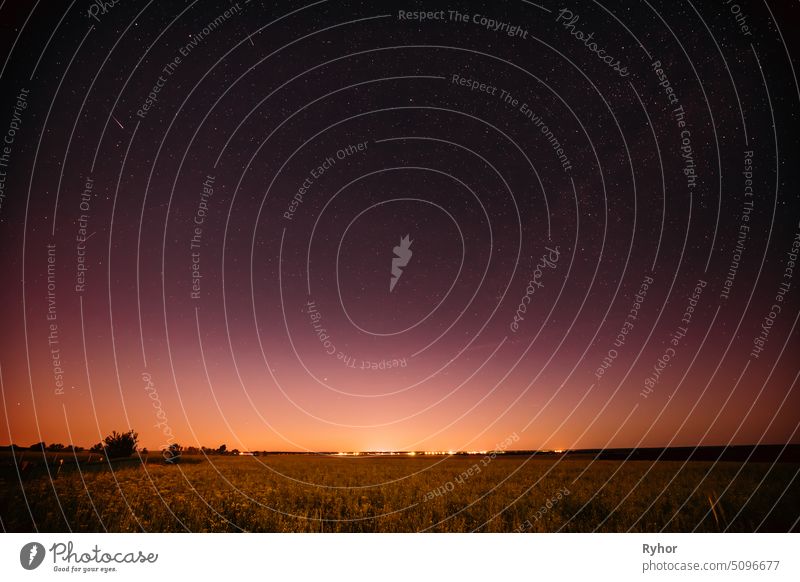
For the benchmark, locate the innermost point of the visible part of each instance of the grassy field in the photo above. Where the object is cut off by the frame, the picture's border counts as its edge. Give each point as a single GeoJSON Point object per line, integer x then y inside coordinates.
{"type": "Point", "coordinates": [291, 493]}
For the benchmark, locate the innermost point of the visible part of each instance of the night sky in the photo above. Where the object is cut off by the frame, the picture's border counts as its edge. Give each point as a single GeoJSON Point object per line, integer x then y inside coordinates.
{"type": "Point", "coordinates": [203, 209]}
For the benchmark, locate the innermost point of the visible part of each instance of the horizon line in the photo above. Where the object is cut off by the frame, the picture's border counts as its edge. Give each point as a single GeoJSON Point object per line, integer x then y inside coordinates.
{"type": "Point", "coordinates": [67, 449]}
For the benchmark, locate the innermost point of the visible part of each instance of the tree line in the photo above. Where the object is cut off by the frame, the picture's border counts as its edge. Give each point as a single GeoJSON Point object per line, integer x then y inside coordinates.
{"type": "Point", "coordinates": [123, 444]}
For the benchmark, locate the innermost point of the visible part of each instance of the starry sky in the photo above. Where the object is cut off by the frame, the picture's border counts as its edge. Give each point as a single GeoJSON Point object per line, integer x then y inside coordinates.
{"type": "Point", "coordinates": [203, 209]}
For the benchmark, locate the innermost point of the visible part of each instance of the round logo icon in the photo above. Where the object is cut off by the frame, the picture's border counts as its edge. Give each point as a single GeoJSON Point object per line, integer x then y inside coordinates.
{"type": "Point", "coordinates": [31, 555]}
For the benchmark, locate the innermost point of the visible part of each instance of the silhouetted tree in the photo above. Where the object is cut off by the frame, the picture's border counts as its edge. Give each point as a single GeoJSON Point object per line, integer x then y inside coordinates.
{"type": "Point", "coordinates": [172, 454]}
{"type": "Point", "coordinates": [97, 448]}
{"type": "Point", "coordinates": [38, 446]}
{"type": "Point", "coordinates": [121, 444]}
{"type": "Point", "coordinates": [222, 449]}
{"type": "Point", "coordinates": [55, 447]}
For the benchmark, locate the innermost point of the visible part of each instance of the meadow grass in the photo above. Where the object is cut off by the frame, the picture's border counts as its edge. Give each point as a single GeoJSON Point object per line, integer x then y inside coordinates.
{"type": "Point", "coordinates": [292, 493]}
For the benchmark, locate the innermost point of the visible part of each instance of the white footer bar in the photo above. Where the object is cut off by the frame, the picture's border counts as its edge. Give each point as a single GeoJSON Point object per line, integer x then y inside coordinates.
{"type": "Point", "coordinates": [390, 557]}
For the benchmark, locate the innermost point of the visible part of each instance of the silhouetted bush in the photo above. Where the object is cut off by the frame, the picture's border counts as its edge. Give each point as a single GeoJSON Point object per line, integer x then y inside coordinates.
{"type": "Point", "coordinates": [121, 444]}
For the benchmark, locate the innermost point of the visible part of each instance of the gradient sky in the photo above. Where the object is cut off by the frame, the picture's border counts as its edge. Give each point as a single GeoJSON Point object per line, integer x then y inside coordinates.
{"type": "Point", "coordinates": [473, 181]}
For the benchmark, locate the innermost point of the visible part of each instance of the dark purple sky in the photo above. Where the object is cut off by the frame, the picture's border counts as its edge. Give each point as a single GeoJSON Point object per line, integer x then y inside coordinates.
{"type": "Point", "coordinates": [200, 210]}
